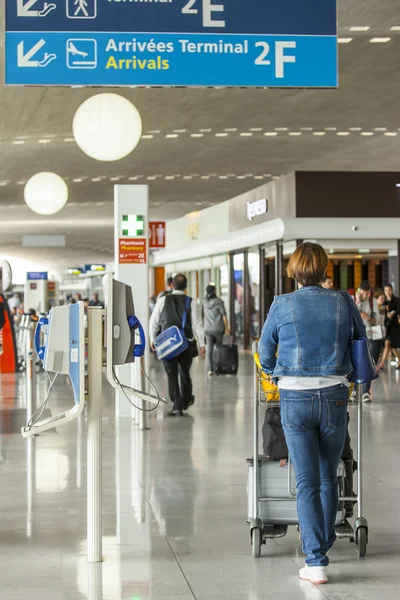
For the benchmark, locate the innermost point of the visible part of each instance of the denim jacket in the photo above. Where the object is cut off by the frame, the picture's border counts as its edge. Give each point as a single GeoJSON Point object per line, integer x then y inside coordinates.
{"type": "Point", "coordinates": [312, 328]}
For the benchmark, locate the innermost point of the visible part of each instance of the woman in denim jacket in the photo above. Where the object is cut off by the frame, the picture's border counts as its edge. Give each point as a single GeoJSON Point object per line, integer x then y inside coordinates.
{"type": "Point", "coordinates": [312, 329]}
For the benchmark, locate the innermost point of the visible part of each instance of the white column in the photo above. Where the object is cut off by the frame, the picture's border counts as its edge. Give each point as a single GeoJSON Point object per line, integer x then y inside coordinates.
{"type": "Point", "coordinates": [133, 201]}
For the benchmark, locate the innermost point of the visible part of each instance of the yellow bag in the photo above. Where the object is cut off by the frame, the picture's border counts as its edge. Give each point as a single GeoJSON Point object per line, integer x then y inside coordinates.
{"type": "Point", "coordinates": [271, 391]}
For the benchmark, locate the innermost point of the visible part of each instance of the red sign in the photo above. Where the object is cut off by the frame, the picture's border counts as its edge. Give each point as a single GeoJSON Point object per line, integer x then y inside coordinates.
{"type": "Point", "coordinates": [132, 251]}
{"type": "Point", "coordinates": [51, 286]}
{"type": "Point", "coordinates": [157, 232]}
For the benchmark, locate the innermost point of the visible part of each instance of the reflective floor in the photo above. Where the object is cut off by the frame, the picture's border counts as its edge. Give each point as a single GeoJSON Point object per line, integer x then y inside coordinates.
{"type": "Point", "coordinates": [174, 504]}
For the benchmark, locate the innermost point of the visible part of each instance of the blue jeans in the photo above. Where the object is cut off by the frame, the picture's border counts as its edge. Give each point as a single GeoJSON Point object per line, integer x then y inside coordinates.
{"type": "Point", "coordinates": [315, 423]}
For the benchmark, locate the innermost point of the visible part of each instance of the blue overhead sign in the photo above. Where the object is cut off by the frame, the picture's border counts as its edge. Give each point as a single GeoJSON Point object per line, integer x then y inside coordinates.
{"type": "Point", "coordinates": [36, 275]}
{"type": "Point", "coordinates": [267, 43]}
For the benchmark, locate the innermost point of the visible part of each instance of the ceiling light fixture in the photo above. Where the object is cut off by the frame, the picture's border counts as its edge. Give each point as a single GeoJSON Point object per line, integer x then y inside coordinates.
{"type": "Point", "coordinates": [205, 130]}
{"type": "Point", "coordinates": [359, 28]}
{"type": "Point", "coordinates": [355, 128]}
{"type": "Point", "coordinates": [172, 135]}
{"type": "Point", "coordinates": [107, 127]}
{"type": "Point", "coordinates": [180, 130]}
{"type": "Point", "coordinates": [330, 128]}
{"type": "Point", "coordinates": [96, 178]}
{"type": "Point", "coordinates": [390, 133]}
{"type": "Point", "coordinates": [395, 28]}
{"type": "Point", "coordinates": [255, 129]}
{"type": "Point", "coordinates": [187, 177]}
{"type": "Point", "coordinates": [319, 133]}
{"type": "Point", "coordinates": [155, 131]}
{"type": "Point", "coordinates": [133, 178]}
{"type": "Point", "coordinates": [78, 180]}
{"type": "Point", "coordinates": [151, 178]}
{"type": "Point", "coordinates": [169, 177]}
{"type": "Point", "coordinates": [206, 176]}
{"type": "Point", "coordinates": [344, 40]}
{"type": "Point", "coordinates": [367, 133]}
{"type": "Point", "coordinates": [295, 133]}
{"type": "Point", "coordinates": [18, 142]}
{"type": "Point", "coordinates": [271, 133]}
{"type": "Point", "coordinates": [147, 136]}
{"type": "Point", "coordinates": [306, 128]}
{"type": "Point", "coordinates": [240, 177]}
{"type": "Point", "coordinates": [246, 134]}
{"type": "Point", "coordinates": [380, 128]}
{"type": "Point", "coordinates": [68, 140]}
{"type": "Point", "coordinates": [223, 176]}
{"type": "Point", "coordinates": [22, 182]}
{"type": "Point", "coordinates": [3, 183]}
{"type": "Point", "coordinates": [46, 193]}
{"type": "Point", "coordinates": [231, 129]}
{"type": "Point", "coordinates": [44, 141]}
{"type": "Point", "coordinates": [221, 134]}
{"type": "Point", "coordinates": [343, 133]}
{"type": "Point", "coordinates": [258, 177]}
{"type": "Point", "coordinates": [398, 185]}
{"type": "Point", "coordinates": [281, 128]}
{"type": "Point", "coordinates": [197, 135]}
{"type": "Point", "coordinates": [380, 40]}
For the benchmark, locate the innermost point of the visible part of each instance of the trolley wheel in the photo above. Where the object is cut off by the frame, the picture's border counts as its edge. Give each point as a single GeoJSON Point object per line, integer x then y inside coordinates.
{"type": "Point", "coordinates": [256, 542]}
{"type": "Point", "coordinates": [362, 541]}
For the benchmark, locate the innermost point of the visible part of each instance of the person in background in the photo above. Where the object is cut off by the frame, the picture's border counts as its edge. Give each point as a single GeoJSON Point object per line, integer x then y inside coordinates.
{"type": "Point", "coordinates": [96, 301]}
{"type": "Point", "coordinates": [32, 315]}
{"type": "Point", "coordinates": [327, 283]}
{"type": "Point", "coordinates": [86, 303]}
{"type": "Point", "coordinates": [168, 312]}
{"type": "Point", "coordinates": [77, 297]}
{"type": "Point", "coordinates": [381, 319]}
{"type": "Point", "coordinates": [312, 328]}
{"type": "Point", "coordinates": [392, 342]}
{"type": "Point", "coordinates": [215, 323]}
{"type": "Point", "coordinates": [152, 303]}
{"type": "Point", "coordinates": [168, 290]}
{"type": "Point", "coordinates": [368, 309]}
{"type": "Point", "coordinates": [14, 301]}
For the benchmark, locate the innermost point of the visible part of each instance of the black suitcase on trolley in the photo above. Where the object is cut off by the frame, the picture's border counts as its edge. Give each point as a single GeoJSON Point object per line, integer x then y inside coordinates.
{"type": "Point", "coordinates": [226, 359]}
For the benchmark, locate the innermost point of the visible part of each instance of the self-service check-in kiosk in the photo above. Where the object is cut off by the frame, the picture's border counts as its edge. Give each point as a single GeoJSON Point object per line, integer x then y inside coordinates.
{"type": "Point", "coordinates": [124, 336]}
{"type": "Point", "coordinates": [60, 344]}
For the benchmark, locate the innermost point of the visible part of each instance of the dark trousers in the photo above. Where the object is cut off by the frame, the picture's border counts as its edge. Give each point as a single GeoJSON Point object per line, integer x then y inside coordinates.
{"type": "Point", "coordinates": [212, 338]}
{"type": "Point", "coordinates": [375, 346]}
{"type": "Point", "coordinates": [180, 385]}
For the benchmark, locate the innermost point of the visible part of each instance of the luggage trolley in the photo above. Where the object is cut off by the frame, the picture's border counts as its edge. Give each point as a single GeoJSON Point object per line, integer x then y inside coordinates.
{"type": "Point", "coordinates": [272, 488]}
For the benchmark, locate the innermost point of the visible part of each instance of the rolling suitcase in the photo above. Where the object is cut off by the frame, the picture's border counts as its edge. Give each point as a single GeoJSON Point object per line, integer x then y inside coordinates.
{"type": "Point", "coordinates": [277, 482]}
{"type": "Point", "coordinates": [226, 359]}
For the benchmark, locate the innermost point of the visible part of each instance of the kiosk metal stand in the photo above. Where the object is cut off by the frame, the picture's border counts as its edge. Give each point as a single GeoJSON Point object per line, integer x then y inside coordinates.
{"type": "Point", "coordinates": [30, 361]}
{"type": "Point", "coordinates": [94, 435]}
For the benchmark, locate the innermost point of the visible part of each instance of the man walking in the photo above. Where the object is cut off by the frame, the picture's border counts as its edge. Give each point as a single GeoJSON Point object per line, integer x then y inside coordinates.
{"type": "Point", "coordinates": [169, 312]}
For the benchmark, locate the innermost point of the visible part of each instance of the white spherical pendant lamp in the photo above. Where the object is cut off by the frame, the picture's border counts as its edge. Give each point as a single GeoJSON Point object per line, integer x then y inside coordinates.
{"type": "Point", "coordinates": [107, 127]}
{"type": "Point", "coordinates": [46, 193]}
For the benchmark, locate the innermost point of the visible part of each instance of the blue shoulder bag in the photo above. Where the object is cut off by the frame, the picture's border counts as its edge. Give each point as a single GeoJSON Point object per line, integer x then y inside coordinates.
{"type": "Point", "coordinates": [363, 364]}
{"type": "Point", "coordinates": [172, 342]}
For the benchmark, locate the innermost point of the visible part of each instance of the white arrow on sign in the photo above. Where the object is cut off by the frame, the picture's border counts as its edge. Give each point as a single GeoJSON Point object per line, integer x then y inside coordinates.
{"type": "Point", "coordinates": [24, 60]}
{"type": "Point", "coordinates": [24, 10]}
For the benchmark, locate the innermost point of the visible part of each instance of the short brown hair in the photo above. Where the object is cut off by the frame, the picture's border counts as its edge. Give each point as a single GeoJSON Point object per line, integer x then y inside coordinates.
{"type": "Point", "coordinates": [308, 264]}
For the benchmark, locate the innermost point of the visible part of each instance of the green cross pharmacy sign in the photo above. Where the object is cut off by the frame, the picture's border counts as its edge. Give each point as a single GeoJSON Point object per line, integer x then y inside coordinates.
{"type": "Point", "coordinates": [132, 225]}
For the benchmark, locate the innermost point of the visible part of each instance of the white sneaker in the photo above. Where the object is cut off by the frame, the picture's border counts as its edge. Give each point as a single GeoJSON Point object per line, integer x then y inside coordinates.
{"type": "Point", "coordinates": [367, 397]}
{"type": "Point", "coordinates": [317, 575]}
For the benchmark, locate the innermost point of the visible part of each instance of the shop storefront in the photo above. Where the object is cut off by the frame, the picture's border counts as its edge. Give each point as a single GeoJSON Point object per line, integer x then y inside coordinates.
{"type": "Point", "coordinates": [243, 246]}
